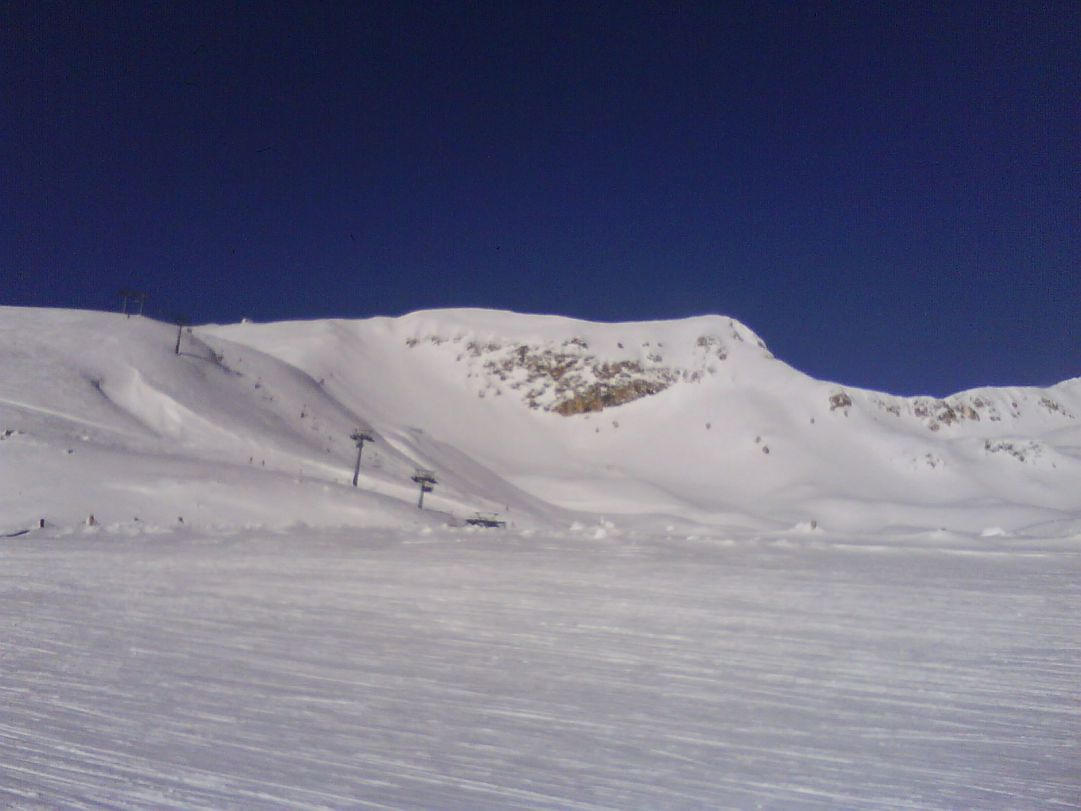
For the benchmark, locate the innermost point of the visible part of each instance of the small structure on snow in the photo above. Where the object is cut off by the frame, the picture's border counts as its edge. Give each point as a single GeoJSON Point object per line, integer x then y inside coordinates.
{"type": "Point", "coordinates": [127, 294]}
{"type": "Point", "coordinates": [490, 520]}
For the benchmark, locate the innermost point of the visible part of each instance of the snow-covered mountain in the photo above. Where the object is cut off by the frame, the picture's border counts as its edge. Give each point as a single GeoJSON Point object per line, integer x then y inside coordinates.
{"type": "Point", "coordinates": [544, 420]}
{"type": "Point", "coordinates": [724, 584]}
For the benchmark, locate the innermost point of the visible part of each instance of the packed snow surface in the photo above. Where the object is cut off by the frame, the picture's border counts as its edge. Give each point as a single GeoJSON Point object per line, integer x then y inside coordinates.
{"type": "Point", "coordinates": [720, 583]}
{"type": "Point", "coordinates": [462, 669]}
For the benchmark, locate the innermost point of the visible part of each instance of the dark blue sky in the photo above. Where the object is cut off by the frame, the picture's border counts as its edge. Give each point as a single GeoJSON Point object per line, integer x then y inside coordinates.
{"type": "Point", "coordinates": [888, 195]}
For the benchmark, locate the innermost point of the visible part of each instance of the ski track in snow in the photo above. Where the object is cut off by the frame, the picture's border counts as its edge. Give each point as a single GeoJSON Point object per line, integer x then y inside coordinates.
{"type": "Point", "coordinates": [365, 670]}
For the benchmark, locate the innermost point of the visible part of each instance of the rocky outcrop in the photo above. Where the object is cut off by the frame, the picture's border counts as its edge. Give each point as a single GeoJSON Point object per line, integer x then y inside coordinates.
{"type": "Point", "coordinates": [602, 395]}
{"type": "Point", "coordinates": [568, 377]}
{"type": "Point", "coordinates": [840, 400]}
{"type": "Point", "coordinates": [959, 409]}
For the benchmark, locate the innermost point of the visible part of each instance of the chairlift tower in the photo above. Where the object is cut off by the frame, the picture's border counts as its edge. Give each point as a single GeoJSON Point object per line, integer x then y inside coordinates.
{"type": "Point", "coordinates": [360, 436]}
{"type": "Point", "coordinates": [425, 479]}
{"type": "Point", "coordinates": [181, 321]}
{"type": "Point", "coordinates": [127, 294]}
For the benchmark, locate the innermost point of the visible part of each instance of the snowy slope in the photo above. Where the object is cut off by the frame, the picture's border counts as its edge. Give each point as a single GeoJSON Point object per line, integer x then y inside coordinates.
{"type": "Point", "coordinates": [734, 435]}
{"type": "Point", "coordinates": [99, 416]}
{"type": "Point", "coordinates": [540, 419]}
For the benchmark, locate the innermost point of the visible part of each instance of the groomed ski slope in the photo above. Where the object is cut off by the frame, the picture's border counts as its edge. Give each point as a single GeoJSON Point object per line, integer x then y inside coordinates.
{"type": "Point", "coordinates": [749, 589]}
{"type": "Point", "coordinates": [458, 669]}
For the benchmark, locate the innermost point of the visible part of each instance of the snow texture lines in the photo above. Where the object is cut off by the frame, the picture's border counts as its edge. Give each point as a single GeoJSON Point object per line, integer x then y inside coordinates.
{"type": "Point", "coordinates": [474, 672]}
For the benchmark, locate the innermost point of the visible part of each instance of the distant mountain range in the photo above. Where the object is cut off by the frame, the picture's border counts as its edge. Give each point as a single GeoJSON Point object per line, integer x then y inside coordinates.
{"type": "Point", "coordinates": [688, 425]}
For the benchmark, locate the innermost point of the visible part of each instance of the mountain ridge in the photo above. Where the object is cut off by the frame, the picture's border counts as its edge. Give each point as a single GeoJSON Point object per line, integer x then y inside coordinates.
{"type": "Point", "coordinates": [545, 418]}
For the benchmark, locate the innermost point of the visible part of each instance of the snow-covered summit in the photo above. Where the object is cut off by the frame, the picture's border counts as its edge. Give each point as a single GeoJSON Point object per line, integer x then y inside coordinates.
{"type": "Point", "coordinates": [538, 418]}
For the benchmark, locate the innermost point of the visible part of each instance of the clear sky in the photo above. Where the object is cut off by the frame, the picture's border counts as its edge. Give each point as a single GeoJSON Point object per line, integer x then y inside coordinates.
{"type": "Point", "coordinates": [887, 193]}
